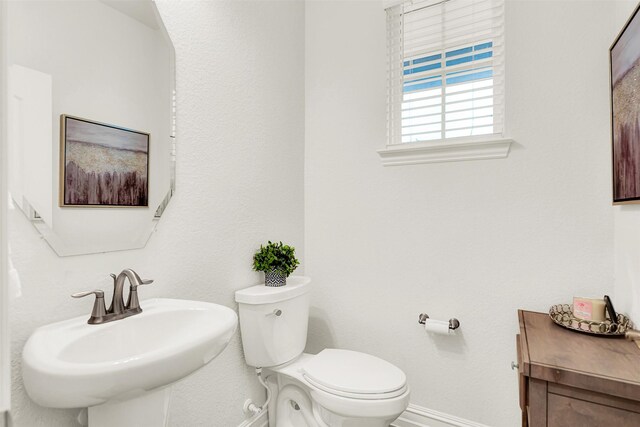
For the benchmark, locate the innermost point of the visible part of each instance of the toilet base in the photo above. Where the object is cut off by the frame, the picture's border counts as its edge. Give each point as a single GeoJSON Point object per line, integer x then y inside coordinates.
{"type": "Point", "coordinates": [332, 419]}
{"type": "Point", "coordinates": [291, 406]}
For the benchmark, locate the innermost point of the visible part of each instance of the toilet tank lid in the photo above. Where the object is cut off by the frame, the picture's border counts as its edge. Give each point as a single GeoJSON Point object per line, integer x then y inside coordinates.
{"type": "Point", "coordinates": [261, 294]}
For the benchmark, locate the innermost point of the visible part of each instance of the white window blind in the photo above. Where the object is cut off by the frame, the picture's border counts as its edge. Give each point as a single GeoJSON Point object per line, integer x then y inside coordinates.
{"type": "Point", "coordinates": [446, 70]}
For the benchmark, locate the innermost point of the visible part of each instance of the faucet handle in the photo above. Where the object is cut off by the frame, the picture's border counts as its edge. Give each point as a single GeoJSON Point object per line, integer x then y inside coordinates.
{"type": "Point", "coordinates": [133, 304]}
{"type": "Point", "coordinates": [99, 294]}
{"type": "Point", "coordinates": [99, 310]}
{"type": "Point", "coordinates": [134, 286]}
{"type": "Point", "coordinates": [138, 281]}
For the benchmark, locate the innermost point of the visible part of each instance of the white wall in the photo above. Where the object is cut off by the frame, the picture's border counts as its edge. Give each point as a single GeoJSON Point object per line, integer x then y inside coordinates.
{"type": "Point", "coordinates": [626, 222]}
{"type": "Point", "coordinates": [239, 183]}
{"type": "Point", "coordinates": [473, 240]}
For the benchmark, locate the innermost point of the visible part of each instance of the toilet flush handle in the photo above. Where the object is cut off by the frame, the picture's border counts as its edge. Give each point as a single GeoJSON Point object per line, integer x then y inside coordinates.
{"type": "Point", "coordinates": [277, 312]}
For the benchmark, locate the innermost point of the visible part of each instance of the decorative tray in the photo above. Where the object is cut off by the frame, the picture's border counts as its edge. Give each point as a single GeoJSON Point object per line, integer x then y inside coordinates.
{"type": "Point", "coordinates": [562, 314]}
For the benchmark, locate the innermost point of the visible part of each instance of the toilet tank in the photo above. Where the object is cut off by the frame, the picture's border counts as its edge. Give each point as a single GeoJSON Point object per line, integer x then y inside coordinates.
{"type": "Point", "coordinates": [273, 321]}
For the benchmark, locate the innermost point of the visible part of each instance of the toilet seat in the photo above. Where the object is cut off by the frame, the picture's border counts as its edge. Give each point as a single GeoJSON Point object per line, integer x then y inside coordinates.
{"type": "Point", "coordinates": [354, 375]}
{"type": "Point", "coordinates": [376, 408]}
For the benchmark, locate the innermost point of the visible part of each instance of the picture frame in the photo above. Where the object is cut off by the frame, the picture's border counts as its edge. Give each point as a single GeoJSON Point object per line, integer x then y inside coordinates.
{"type": "Point", "coordinates": [102, 165]}
{"type": "Point", "coordinates": [624, 67]}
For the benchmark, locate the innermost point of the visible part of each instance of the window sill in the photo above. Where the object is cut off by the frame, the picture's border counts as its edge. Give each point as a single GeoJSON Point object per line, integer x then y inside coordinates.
{"type": "Point", "coordinates": [444, 151]}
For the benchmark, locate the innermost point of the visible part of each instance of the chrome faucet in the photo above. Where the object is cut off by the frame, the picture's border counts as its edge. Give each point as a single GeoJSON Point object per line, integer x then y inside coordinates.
{"type": "Point", "coordinates": [118, 309]}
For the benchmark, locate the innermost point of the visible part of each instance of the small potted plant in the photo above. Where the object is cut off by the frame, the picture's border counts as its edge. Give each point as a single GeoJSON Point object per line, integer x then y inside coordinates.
{"type": "Point", "coordinates": [277, 261]}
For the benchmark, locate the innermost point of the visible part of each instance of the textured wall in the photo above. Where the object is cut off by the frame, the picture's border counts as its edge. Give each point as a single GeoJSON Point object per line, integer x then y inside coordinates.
{"type": "Point", "coordinates": [239, 182]}
{"type": "Point", "coordinates": [475, 240]}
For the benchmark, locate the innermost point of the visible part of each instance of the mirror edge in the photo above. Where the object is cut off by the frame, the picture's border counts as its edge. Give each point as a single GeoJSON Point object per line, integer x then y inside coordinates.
{"type": "Point", "coordinates": [172, 133]}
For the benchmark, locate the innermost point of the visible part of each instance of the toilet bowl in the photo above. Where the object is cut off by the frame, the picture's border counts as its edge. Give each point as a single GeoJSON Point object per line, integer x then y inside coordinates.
{"type": "Point", "coordinates": [327, 389]}
{"type": "Point", "coordinates": [334, 388]}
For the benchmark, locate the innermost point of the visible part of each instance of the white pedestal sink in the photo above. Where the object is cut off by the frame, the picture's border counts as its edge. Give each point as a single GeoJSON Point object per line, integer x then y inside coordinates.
{"type": "Point", "coordinates": [121, 369]}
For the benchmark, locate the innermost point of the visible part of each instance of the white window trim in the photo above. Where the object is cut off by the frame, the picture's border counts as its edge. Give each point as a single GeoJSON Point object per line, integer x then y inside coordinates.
{"type": "Point", "coordinates": [494, 146]}
{"type": "Point", "coordinates": [447, 150]}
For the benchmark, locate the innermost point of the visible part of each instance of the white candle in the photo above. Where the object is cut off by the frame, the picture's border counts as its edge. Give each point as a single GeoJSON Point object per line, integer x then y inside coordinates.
{"type": "Point", "coordinates": [589, 309]}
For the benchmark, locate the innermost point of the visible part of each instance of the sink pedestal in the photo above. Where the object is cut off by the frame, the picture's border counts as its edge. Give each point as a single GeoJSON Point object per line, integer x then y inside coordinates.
{"type": "Point", "coordinates": [148, 409]}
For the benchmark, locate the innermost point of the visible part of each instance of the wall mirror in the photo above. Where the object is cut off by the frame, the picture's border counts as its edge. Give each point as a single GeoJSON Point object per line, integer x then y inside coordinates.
{"type": "Point", "coordinates": [109, 65]}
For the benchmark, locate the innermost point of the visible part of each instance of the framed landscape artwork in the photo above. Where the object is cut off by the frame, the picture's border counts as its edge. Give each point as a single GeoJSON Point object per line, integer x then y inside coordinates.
{"type": "Point", "coordinates": [625, 112]}
{"type": "Point", "coordinates": [102, 165]}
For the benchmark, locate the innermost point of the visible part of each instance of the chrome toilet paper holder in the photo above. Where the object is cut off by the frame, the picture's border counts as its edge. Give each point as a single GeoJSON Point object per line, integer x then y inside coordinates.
{"type": "Point", "coordinates": [453, 322]}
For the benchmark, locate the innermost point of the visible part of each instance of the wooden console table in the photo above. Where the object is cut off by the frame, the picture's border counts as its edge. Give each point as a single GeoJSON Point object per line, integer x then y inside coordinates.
{"type": "Point", "coordinates": [571, 379]}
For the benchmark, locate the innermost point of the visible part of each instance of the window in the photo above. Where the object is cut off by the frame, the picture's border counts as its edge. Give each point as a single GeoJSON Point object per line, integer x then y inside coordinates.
{"type": "Point", "coordinates": [446, 77]}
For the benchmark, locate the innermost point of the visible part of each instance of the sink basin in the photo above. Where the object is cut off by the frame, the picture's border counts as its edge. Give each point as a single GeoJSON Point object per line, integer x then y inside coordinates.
{"type": "Point", "coordinates": [71, 364]}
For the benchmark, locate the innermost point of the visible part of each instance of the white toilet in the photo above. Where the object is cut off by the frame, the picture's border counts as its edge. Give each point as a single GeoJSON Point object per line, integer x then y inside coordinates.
{"type": "Point", "coordinates": [334, 388]}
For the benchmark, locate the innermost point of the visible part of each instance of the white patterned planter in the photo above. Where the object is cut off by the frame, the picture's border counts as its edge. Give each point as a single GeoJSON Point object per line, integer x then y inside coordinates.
{"type": "Point", "coordinates": [274, 278]}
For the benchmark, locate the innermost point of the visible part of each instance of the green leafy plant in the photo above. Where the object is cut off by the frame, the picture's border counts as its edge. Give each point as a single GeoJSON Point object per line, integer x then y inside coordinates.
{"type": "Point", "coordinates": [277, 257]}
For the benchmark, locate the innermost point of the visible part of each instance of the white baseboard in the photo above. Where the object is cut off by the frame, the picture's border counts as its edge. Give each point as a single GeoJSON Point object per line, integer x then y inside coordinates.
{"type": "Point", "coordinates": [417, 416]}
{"type": "Point", "coordinates": [261, 419]}
{"type": "Point", "coordinates": [414, 416]}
